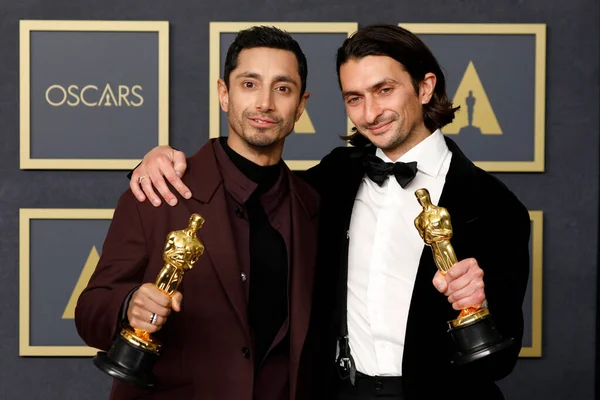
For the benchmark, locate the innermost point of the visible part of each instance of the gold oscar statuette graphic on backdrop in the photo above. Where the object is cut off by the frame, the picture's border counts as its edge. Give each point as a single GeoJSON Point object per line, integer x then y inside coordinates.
{"type": "Point", "coordinates": [473, 332]}
{"type": "Point", "coordinates": [134, 352]}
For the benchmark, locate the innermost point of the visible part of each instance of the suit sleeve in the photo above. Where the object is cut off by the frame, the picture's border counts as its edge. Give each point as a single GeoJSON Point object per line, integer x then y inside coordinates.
{"type": "Point", "coordinates": [120, 270]}
{"type": "Point", "coordinates": [505, 261]}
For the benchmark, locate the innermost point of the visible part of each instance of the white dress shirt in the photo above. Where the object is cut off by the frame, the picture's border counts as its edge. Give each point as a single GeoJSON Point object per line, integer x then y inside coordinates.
{"type": "Point", "coordinates": [383, 257]}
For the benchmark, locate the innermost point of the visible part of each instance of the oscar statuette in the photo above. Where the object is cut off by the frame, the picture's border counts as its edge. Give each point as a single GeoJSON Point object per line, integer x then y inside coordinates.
{"type": "Point", "coordinates": [474, 331]}
{"type": "Point", "coordinates": [134, 352]}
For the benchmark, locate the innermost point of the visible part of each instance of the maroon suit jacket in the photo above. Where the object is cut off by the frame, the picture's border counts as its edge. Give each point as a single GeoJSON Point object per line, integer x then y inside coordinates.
{"type": "Point", "coordinates": [205, 343]}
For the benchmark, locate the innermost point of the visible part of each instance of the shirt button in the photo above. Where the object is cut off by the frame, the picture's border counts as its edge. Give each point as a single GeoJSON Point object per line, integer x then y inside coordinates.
{"type": "Point", "coordinates": [246, 352]}
{"type": "Point", "coordinates": [384, 345]}
{"type": "Point", "coordinates": [378, 385]}
{"type": "Point", "coordinates": [243, 277]}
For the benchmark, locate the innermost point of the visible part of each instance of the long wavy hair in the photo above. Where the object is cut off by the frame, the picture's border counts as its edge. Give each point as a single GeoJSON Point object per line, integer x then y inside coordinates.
{"type": "Point", "coordinates": [410, 51]}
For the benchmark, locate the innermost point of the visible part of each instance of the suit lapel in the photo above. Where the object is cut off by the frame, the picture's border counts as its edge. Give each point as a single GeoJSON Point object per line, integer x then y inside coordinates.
{"type": "Point", "coordinates": [303, 262]}
{"type": "Point", "coordinates": [429, 310]}
{"type": "Point", "coordinates": [339, 215]}
{"type": "Point", "coordinates": [206, 183]}
{"type": "Point", "coordinates": [458, 195]}
{"type": "Point", "coordinates": [302, 275]}
{"type": "Point", "coordinates": [353, 178]}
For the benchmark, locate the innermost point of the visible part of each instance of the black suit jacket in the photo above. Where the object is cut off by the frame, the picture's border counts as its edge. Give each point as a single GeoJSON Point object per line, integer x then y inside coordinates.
{"type": "Point", "coordinates": [490, 224]}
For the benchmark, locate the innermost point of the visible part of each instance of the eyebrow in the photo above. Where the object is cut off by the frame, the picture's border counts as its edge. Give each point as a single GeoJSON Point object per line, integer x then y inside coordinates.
{"type": "Point", "coordinates": [371, 88]}
{"type": "Point", "coordinates": [278, 78]}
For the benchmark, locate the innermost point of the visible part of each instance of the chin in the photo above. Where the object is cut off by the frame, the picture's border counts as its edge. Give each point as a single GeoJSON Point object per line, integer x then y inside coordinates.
{"type": "Point", "coordinates": [261, 140]}
{"type": "Point", "coordinates": [383, 141]}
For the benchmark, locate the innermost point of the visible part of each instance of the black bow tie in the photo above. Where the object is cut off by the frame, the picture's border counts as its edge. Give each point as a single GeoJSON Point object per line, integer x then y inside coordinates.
{"type": "Point", "coordinates": [378, 170]}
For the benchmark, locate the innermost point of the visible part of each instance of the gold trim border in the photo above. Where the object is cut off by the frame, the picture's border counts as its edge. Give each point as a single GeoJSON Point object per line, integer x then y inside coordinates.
{"type": "Point", "coordinates": [217, 28]}
{"type": "Point", "coordinates": [539, 31]}
{"type": "Point", "coordinates": [535, 350]}
{"type": "Point", "coordinates": [25, 217]}
{"type": "Point", "coordinates": [28, 26]}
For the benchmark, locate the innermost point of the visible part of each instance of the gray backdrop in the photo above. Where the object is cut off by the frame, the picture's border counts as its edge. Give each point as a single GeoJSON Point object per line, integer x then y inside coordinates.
{"type": "Point", "coordinates": [567, 192]}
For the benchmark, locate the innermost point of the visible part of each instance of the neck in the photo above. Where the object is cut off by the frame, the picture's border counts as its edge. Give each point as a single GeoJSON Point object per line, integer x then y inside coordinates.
{"type": "Point", "coordinates": [263, 156]}
{"type": "Point", "coordinates": [264, 175]}
{"type": "Point", "coordinates": [415, 137]}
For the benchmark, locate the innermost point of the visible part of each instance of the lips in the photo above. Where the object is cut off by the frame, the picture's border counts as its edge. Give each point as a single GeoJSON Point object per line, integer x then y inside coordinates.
{"type": "Point", "coordinates": [377, 129]}
{"type": "Point", "coordinates": [261, 122]}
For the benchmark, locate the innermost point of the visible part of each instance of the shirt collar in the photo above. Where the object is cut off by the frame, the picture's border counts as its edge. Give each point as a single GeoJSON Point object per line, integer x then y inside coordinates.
{"type": "Point", "coordinates": [429, 154]}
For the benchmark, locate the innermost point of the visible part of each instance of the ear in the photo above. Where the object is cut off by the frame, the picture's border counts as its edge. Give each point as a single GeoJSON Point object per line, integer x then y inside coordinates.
{"type": "Point", "coordinates": [223, 95]}
{"type": "Point", "coordinates": [302, 105]}
{"type": "Point", "coordinates": [426, 87]}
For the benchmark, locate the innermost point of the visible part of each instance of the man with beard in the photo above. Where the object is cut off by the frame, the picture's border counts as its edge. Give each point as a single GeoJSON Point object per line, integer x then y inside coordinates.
{"type": "Point", "coordinates": [242, 313]}
{"type": "Point", "coordinates": [374, 276]}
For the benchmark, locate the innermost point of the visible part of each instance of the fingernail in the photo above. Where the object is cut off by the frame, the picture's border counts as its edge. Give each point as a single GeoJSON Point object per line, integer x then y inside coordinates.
{"type": "Point", "coordinates": [173, 202]}
{"type": "Point", "coordinates": [440, 287]}
{"type": "Point", "coordinates": [156, 203]}
{"type": "Point", "coordinates": [178, 173]}
{"type": "Point", "coordinates": [187, 195]}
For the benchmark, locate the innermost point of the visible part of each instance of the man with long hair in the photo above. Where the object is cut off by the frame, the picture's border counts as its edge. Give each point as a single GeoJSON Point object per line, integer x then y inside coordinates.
{"type": "Point", "coordinates": [376, 309]}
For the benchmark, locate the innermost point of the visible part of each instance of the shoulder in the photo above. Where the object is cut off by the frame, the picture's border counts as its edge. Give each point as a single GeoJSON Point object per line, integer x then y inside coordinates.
{"type": "Point", "coordinates": [498, 197]}
{"type": "Point", "coordinates": [341, 158]}
{"type": "Point", "coordinates": [305, 193]}
{"type": "Point", "coordinates": [302, 188]}
{"type": "Point", "coordinates": [345, 153]}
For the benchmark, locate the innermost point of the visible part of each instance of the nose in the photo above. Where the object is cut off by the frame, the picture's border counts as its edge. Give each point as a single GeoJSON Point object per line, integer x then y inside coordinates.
{"type": "Point", "coordinates": [372, 110]}
{"type": "Point", "coordinates": [264, 100]}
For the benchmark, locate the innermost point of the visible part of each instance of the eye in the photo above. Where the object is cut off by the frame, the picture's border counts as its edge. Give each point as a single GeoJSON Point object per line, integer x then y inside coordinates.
{"type": "Point", "coordinates": [351, 100]}
{"type": "Point", "coordinates": [386, 90]}
{"type": "Point", "coordinates": [283, 89]}
{"type": "Point", "coordinates": [248, 85]}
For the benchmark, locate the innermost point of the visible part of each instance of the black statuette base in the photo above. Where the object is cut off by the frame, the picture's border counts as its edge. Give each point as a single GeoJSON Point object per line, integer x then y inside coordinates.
{"type": "Point", "coordinates": [477, 340]}
{"type": "Point", "coordinates": [128, 363]}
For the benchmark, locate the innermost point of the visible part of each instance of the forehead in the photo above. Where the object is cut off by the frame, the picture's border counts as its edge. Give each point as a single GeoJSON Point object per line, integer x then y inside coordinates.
{"type": "Point", "coordinates": [362, 73]}
{"type": "Point", "coordinates": [268, 62]}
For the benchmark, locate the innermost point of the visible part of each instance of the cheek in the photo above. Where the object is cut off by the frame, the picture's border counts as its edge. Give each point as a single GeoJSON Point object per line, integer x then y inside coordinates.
{"type": "Point", "coordinates": [417, 111]}
{"type": "Point", "coordinates": [410, 110]}
{"type": "Point", "coordinates": [241, 101]}
{"type": "Point", "coordinates": [289, 112]}
{"type": "Point", "coordinates": [355, 114]}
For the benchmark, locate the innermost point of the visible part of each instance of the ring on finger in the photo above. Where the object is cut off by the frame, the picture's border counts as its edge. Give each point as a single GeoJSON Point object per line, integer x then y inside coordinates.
{"type": "Point", "coordinates": [153, 318]}
{"type": "Point", "coordinates": [140, 179]}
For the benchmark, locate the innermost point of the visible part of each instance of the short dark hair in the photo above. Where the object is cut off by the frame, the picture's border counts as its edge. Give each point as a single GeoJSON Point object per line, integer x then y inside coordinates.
{"type": "Point", "coordinates": [416, 58]}
{"type": "Point", "coordinates": [265, 36]}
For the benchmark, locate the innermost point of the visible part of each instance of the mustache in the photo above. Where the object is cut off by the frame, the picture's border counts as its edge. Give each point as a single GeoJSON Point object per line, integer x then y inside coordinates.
{"type": "Point", "coordinates": [262, 116]}
{"type": "Point", "coordinates": [379, 121]}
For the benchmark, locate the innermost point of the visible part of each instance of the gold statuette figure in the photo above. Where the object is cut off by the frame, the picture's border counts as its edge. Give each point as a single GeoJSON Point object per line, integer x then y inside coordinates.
{"type": "Point", "coordinates": [182, 250]}
{"type": "Point", "coordinates": [134, 352]}
{"type": "Point", "coordinates": [473, 330]}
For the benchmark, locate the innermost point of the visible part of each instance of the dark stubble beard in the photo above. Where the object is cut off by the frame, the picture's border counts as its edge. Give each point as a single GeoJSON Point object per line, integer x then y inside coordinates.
{"type": "Point", "coordinates": [257, 137]}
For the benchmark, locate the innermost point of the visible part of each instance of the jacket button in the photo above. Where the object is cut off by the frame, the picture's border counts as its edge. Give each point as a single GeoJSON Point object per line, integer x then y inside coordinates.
{"type": "Point", "coordinates": [244, 277]}
{"type": "Point", "coordinates": [239, 212]}
{"type": "Point", "coordinates": [246, 352]}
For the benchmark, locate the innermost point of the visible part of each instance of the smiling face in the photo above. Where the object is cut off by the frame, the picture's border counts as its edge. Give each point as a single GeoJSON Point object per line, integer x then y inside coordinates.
{"type": "Point", "coordinates": [263, 101]}
{"type": "Point", "coordinates": [381, 101]}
